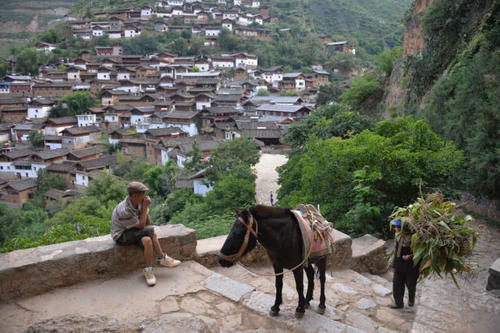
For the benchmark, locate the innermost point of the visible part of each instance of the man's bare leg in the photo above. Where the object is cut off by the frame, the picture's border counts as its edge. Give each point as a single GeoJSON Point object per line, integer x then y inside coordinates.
{"type": "Point", "coordinates": [157, 246]}
{"type": "Point", "coordinates": [148, 251]}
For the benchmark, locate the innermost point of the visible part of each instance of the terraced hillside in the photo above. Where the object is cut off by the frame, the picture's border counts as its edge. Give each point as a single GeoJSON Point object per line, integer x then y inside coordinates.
{"type": "Point", "coordinates": [20, 20]}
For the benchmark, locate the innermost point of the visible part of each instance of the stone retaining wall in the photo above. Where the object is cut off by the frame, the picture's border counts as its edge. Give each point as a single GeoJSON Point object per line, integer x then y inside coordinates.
{"type": "Point", "coordinates": [34, 271]}
{"type": "Point", "coordinates": [37, 270]}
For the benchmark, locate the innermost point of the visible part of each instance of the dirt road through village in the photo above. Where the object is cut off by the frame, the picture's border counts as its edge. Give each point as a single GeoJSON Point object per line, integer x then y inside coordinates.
{"type": "Point", "coordinates": [267, 176]}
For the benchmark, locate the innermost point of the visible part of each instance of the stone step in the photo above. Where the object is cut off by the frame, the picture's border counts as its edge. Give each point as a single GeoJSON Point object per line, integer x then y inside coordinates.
{"type": "Point", "coordinates": [260, 302]}
{"type": "Point", "coordinates": [353, 299]}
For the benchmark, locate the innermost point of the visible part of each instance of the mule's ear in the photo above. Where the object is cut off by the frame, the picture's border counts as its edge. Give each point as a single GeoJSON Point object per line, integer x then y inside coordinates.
{"type": "Point", "coordinates": [236, 211]}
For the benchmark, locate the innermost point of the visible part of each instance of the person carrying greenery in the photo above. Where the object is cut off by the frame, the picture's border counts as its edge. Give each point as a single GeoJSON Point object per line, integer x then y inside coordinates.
{"type": "Point", "coordinates": [405, 272]}
{"type": "Point", "coordinates": [131, 224]}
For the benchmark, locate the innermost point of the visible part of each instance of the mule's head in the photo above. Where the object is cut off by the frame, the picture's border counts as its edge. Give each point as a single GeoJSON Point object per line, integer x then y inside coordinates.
{"type": "Point", "coordinates": [235, 241]}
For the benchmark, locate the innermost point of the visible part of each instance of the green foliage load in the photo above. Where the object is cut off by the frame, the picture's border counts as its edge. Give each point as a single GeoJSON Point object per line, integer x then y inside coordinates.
{"type": "Point", "coordinates": [442, 235]}
{"type": "Point", "coordinates": [358, 180]}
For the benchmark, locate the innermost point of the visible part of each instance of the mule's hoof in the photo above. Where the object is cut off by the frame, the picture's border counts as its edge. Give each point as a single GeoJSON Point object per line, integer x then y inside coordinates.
{"type": "Point", "coordinates": [321, 310]}
{"type": "Point", "coordinates": [299, 315]}
{"type": "Point", "coordinates": [274, 312]}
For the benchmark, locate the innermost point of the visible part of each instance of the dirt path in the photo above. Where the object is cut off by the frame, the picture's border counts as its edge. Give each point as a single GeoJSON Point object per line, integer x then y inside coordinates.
{"type": "Point", "coordinates": [267, 177]}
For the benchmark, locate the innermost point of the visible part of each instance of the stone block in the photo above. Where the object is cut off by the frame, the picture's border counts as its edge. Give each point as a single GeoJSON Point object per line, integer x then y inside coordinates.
{"type": "Point", "coordinates": [369, 255]}
{"type": "Point", "coordinates": [494, 278]}
{"type": "Point", "coordinates": [227, 287]}
{"type": "Point", "coordinates": [34, 271]}
{"type": "Point", "coordinates": [342, 252]}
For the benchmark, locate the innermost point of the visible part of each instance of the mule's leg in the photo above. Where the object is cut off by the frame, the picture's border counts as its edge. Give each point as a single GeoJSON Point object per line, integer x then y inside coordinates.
{"type": "Point", "coordinates": [299, 285]}
{"type": "Point", "coordinates": [310, 284]}
{"type": "Point", "coordinates": [275, 309]}
{"type": "Point", "coordinates": [322, 278]}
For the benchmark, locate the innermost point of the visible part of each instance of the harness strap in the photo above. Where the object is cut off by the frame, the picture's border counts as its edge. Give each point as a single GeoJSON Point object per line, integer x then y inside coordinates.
{"type": "Point", "coordinates": [236, 256]}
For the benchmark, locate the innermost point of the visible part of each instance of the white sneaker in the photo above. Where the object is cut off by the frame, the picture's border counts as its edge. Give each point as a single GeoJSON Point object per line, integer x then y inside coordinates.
{"type": "Point", "coordinates": [150, 277]}
{"type": "Point", "coordinates": [167, 261]}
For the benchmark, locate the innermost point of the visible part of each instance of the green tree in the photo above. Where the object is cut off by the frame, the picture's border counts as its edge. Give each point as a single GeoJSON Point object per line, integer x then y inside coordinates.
{"type": "Point", "coordinates": [72, 105]}
{"type": "Point", "coordinates": [227, 41]}
{"type": "Point", "coordinates": [37, 139]}
{"type": "Point", "coordinates": [329, 93]}
{"type": "Point", "coordinates": [336, 120]}
{"type": "Point", "coordinates": [107, 188]}
{"type": "Point", "coordinates": [194, 161]}
{"type": "Point", "coordinates": [384, 61]}
{"type": "Point", "coordinates": [141, 44]}
{"type": "Point", "coordinates": [232, 154]}
{"type": "Point", "coordinates": [342, 61]}
{"type": "Point", "coordinates": [364, 94]}
{"type": "Point", "coordinates": [263, 92]}
{"type": "Point", "coordinates": [231, 191]}
{"type": "Point", "coordinates": [3, 68]}
{"type": "Point", "coordinates": [161, 179]}
{"type": "Point", "coordinates": [289, 93]}
{"type": "Point", "coordinates": [46, 181]}
{"type": "Point", "coordinates": [28, 60]}
{"type": "Point", "coordinates": [358, 180]}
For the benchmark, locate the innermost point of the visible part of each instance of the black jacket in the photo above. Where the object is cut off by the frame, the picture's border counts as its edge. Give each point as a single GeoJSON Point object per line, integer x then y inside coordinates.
{"type": "Point", "coordinates": [399, 264]}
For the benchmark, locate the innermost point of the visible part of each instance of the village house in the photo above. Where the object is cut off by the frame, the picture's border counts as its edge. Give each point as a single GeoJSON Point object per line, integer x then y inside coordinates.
{"type": "Point", "coordinates": [139, 148]}
{"type": "Point", "coordinates": [342, 46]}
{"type": "Point", "coordinates": [19, 191]}
{"type": "Point", "coordinates": [20, 132]}
{"type": "Point", "coordinates": [14, 114]}
{"type": "Point", "coordinates": [85, 154]}
{"type": "Point", "coordinates": [44, 47]}
{"type": "Point", "coordinates": [39, 108]}
{"type": "Point", "coordinates": [185, 120]}
{"type": "Point", "coordinates": [205, 146]}
{"type": "Point", "coordinates": [63, 171]}
{"type": "Point", "coordinates": [161, 133]}
{"type": "Point", "coordinates": [86, 171]}
{"type": "Point", "coordinates": [54, 126]}
{"type": "Point", "coordinates": [52, 142]}
{"type": "Point", "coordinates": [52, 89]}
{"type": "Point", "coordinates": [280, 112]}
{"type": "Point", "coordinates": [4, 133]}
{"type": "Point", "coordinates": [77, 137]}
{"type": "Point", "coordinates": [293, 81]}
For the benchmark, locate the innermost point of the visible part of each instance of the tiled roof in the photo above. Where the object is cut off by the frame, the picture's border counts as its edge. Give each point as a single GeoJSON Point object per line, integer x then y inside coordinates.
{"type": "Point", "coordinates": [50, 154]}
{"type": "Point", "coordinates": [24, 184]}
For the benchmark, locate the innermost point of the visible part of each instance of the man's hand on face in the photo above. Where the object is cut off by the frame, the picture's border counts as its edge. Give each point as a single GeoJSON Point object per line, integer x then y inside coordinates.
{"type": "Point", "coordinates": [146, 201]}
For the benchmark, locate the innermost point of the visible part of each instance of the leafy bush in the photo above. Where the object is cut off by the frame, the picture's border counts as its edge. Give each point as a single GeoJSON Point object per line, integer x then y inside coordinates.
{"type": "Point", "coordinates": [357, 181]}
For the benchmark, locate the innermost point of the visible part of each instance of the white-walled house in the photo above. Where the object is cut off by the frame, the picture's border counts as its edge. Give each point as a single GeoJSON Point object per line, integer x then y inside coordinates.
{"type": "Point", "coordinates": [87, 120]}
{"type": "Point", "coordinates": [39, 108]}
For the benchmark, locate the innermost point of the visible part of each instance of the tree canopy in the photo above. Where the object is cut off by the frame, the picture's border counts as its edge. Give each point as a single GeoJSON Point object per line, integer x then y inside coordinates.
{"type": "Point", "coordinates": [358, 180]}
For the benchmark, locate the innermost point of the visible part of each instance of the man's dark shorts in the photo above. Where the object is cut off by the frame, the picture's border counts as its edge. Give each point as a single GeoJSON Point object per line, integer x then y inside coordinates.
{"type": "Point", "coordinates": [134, 235]}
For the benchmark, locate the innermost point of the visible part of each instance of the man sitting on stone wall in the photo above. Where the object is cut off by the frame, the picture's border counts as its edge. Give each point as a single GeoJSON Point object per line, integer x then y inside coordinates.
{"type": "Point", "coordinates": [131, 225]}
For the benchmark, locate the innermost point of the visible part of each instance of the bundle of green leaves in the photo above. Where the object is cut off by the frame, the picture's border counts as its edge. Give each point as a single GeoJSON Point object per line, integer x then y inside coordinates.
{"type": "Point", "coordinates": [442, 236]}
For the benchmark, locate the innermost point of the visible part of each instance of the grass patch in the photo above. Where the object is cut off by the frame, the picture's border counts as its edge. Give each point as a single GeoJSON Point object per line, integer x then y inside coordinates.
{"type": "Point", "coordinates": [22, 18]}
{"type": "Point", "coordinates": [18, 35]}
{"type": "Point", "coordinates": [45, 19]}
{"type": "Point", "coordinates": [7, 45]}
{"type": "Point", "coordinates": [39, 4]}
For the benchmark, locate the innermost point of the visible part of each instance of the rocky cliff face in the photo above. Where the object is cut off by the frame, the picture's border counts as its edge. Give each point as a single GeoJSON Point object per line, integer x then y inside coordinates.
{"type": "Point", "coordinates": [413, 40]}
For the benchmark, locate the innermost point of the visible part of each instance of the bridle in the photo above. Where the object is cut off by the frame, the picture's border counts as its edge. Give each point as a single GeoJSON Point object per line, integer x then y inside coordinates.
{"type": "Point", "coordinates": [234, 257]}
